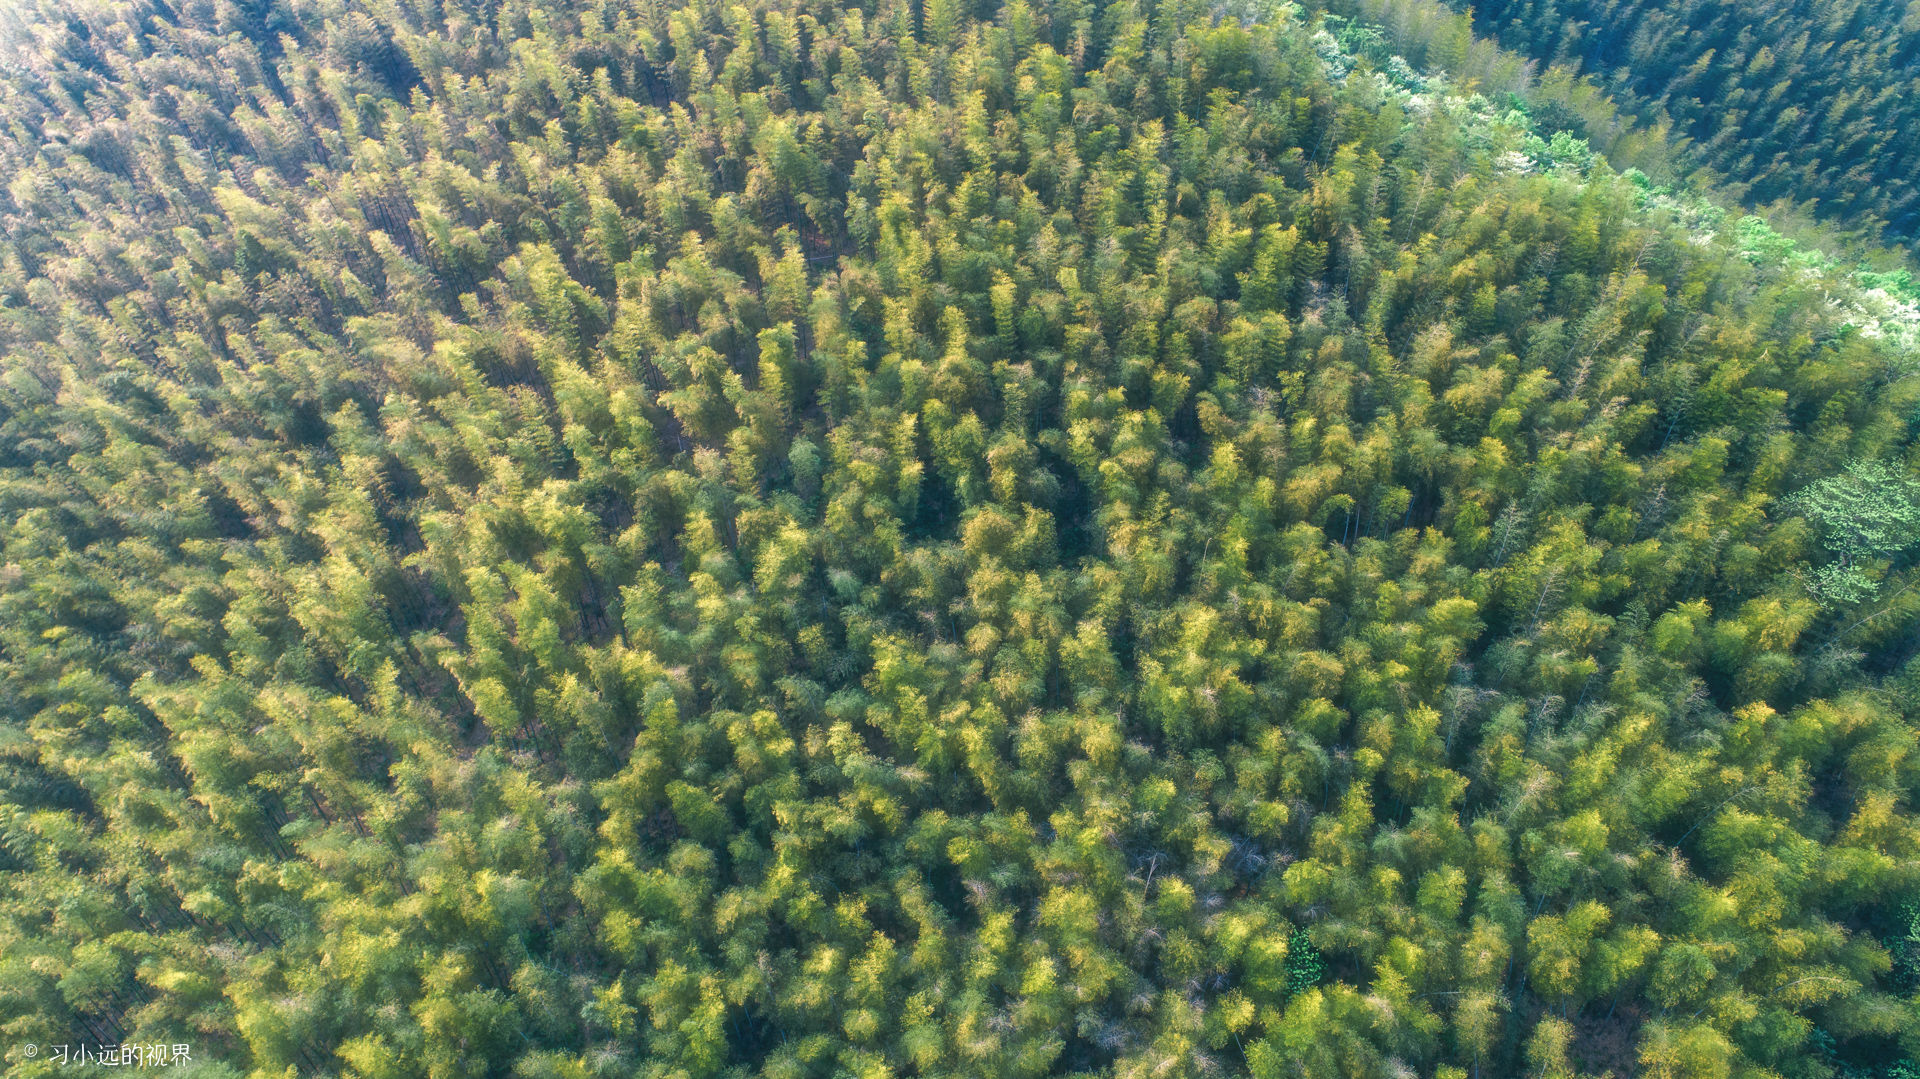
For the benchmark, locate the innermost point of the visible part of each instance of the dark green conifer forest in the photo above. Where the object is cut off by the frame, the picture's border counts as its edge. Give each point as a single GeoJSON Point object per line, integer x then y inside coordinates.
{"type": "Point", "coordinates": [944, 538]}
{"type": "Point", "coordinates": [1811, 103]}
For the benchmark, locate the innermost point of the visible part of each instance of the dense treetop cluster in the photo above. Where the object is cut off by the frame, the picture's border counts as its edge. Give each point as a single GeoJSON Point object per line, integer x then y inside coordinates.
{"type": "Point", "coordinates": [880, 539]}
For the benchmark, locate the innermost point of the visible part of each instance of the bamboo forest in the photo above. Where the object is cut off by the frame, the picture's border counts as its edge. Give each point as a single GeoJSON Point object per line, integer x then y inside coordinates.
{"type": "Point", "coordinates": [933, 539]}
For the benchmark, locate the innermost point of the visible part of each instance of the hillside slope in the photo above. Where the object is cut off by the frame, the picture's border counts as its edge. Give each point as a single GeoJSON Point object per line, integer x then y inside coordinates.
{"type": "Point", "coordinates": [1813, 104]}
